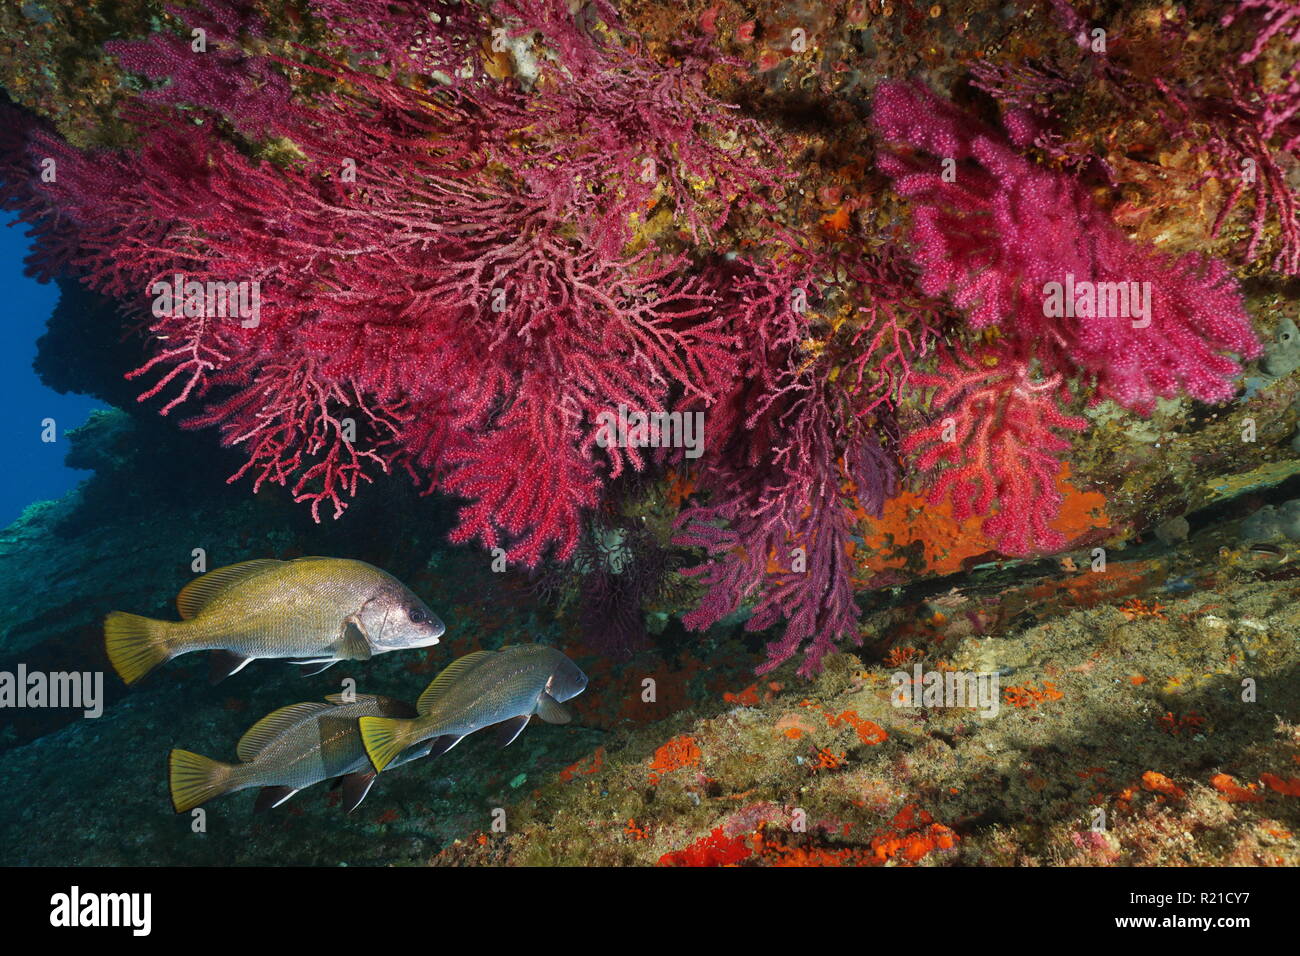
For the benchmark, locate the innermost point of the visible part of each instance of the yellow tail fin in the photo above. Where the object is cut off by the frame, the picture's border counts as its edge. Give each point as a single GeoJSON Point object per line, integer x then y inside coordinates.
{"type": "Point", "coordinates": [196, 779]}
{"type": "Point", "coordinates": [385, 738]}
{"type": "Point", "coordinates": [135, 644]}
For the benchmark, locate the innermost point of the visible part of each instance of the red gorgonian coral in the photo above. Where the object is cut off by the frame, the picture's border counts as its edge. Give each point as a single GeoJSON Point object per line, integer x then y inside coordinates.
{"type": "Point", "coordinates": [444, 273]}
{"type": "Point", "coordinates": [477, 229]}
{"type": "Point", "coordinates": [998, 442]}
{"type": "Point", "coordinates": [1024, 251]}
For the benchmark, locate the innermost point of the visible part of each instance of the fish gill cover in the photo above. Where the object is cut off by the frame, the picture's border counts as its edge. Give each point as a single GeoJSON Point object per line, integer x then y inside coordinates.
{"type": "Point", "coordinates": [479, 232]}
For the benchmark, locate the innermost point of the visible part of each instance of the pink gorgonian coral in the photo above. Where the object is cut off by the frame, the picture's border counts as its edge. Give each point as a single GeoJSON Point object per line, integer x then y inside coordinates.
{"type": "Point", "coordinates": [997, 233]}
{"type": "Point", "coordinates": [1024, 251]}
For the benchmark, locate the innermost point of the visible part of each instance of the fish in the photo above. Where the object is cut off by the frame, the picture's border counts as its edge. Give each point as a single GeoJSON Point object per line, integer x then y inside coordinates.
{"type": "Point", "coordinates": [502, 688]}
{"type": "Point", "coordinates": [312, 611]}
{"type": "Point", "coordinates": [288, 750]}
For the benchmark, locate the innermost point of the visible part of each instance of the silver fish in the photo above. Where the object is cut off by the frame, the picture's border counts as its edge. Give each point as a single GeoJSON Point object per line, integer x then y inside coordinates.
{"type": "Point", "coordinates": [482, 689]}
{"type": "Point", "coordinates": [290, 749]}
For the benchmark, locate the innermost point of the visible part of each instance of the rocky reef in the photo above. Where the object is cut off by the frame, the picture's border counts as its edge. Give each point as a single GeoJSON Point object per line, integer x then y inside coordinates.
{"type": "Point", "coordinates": [483, 232]}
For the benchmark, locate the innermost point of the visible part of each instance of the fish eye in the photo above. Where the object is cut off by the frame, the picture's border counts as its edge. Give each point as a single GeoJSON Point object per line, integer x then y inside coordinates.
{"type": "Point", "coordinates": [417, 615]}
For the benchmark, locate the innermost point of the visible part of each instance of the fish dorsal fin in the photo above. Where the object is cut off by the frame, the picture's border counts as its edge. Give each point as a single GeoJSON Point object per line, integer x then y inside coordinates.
{"type": "Point", "coordinates": [201, 592]}
{"type": "Point", "coordinates": [381, 706]}
{"type": "Point", "coordinates": [341, 700]}
{"type": "Point", "coordinates": [450, 674]}
{"type": "Point", "coordinates": [273, 725]}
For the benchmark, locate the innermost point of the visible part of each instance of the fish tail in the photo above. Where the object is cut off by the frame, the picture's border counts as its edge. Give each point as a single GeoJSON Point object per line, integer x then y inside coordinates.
{"type": "Point", "coordinates": [135, 644]}
{"type": "Point", "coordinates": [196, 779]}
{"type": "Point", "coordinates": [385, 738]}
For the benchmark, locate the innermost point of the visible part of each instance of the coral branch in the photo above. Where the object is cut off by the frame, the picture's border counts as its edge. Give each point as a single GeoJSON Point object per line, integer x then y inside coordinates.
{"type": "Point", "coordinates": [995, 446]}
{"type": "Point", "coordinates": [997, 232]}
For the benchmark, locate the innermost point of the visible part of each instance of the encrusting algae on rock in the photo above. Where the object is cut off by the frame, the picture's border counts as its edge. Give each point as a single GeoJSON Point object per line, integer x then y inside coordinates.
{"type": "Point", "coordinates": [746, 785]}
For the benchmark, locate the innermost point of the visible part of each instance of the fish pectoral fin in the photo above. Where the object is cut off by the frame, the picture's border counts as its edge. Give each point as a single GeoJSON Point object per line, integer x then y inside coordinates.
{"type": "Point", "coordinates": [552, 711]}
{"type": "Point", "coordinates": [508, 730]}
{"type": "Point", "coordinates": [268, 798]}
{"type": "Point", "coordinates": [355, 788]}
{"type": "Point", "coordinates": [222, 664]}
{"type": "Point", "coordinates": [444, 743]}
{"type": "Point", "coordinates": [352, 644]}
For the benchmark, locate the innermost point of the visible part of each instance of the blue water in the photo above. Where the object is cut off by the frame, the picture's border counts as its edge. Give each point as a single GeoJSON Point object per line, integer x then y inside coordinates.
{"type": "Point", "coordinates": [33, 469]}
